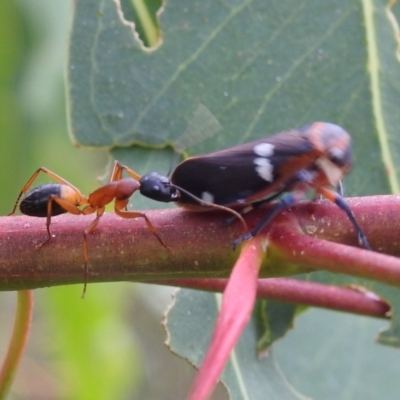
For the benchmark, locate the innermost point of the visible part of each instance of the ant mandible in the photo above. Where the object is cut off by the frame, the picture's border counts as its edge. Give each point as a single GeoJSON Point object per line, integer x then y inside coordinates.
{"type": "Point", "coordinates": [53, 199]}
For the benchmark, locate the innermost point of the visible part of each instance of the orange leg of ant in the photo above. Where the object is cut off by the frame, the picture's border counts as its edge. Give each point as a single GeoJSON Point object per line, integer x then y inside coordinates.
{"type": "Point", "coordinates": [86, 232]}
{"type": "Point", "coordinates": [52, 175]}
{"type": "Point", "coordinates": [71, 208]}
{"type": "Point", "coordinates": [116, 173]}
{"type": "Point", "coordinates": [113, 190]}
{"type": "Point", "coordinates": [135, 214]}
{"type": "Point", "coordinates": [97, 200]}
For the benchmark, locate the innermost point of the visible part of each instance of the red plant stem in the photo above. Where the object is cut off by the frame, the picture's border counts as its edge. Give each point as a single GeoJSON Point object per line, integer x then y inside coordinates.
{"type": "Point", "coordinates": [301, 292]}
{"type": "Point", "coordinates": [123, 250]}
{"type": "Point", "coordinates": [311, 252]}
{"type": "Point", "coordinates": [18, 341]}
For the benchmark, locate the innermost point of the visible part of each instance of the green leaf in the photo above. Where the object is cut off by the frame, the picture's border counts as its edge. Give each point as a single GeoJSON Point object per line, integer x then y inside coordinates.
{"type": "Point", "coordinates": [246, 376]}
{"type": "Point", "coordinates": [329, 355]}
{"type": "Point", "coordinates": [277, 318]}
{"type": "Point", "coordinates": [389, 334]}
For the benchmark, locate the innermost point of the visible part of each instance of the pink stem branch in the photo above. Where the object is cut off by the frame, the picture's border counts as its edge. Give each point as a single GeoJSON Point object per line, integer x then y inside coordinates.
{"type": "Point", "coordinates": [301, 292]}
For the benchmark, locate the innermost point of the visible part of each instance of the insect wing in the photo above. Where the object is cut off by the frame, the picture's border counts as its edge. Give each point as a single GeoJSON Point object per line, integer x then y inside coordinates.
{"type": "Point", "coordinates": [248, 172]}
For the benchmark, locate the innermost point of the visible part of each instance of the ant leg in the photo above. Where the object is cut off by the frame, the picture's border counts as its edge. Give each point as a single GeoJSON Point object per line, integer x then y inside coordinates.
{"type": "Point", "coordinates": [130, 172]}
{"type": "Point", "coordinates": [86, 232]}
{"type": "Point", "coordinates": [71, 208]}
{"type": "Point", "coordinates": [117, 170]}
{"type": "Point", "coordinates": [150, 227]}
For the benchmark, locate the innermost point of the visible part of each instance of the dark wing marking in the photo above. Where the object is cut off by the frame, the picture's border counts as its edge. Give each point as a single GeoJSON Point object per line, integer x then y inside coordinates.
{"type": "Point", "coordinates": [230, 175]}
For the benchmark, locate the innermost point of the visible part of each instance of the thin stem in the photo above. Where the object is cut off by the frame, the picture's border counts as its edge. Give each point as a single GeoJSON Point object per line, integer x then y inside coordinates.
{"type": "Point", "coordinates": [18, 341]}
{"type": "Point", "coordinates": [312, 294]}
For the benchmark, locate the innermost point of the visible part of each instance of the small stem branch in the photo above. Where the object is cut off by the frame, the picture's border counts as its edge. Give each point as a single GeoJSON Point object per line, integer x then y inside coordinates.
{"type": "Point", "coordinates": [338, 258]}
{"type": "Point", "coordinates": [301, 292]}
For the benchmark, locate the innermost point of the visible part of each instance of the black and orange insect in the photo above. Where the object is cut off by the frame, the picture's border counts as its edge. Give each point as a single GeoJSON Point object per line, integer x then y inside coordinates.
{"type": "Point", "coordinates": [314, 157]}
{"type": "Point", "coordinates": [53, 199]}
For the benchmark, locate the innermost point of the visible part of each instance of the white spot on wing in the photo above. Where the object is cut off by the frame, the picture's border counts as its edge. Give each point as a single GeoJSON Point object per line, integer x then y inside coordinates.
{"type": "Point", "coordinates": [264, 149]}
{"type": "Point", "coordinates": [264, 168]}
{"type": "Point", "coordinates": [207, 197]}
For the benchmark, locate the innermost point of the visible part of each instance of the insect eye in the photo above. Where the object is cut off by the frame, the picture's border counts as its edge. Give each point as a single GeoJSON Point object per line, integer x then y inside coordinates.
{"type": "Point", "coordinates": [338, 157]}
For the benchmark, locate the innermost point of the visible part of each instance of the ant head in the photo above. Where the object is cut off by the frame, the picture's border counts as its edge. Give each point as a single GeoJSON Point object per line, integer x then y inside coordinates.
{"type": "Point", "coordinates": [158, 187]}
